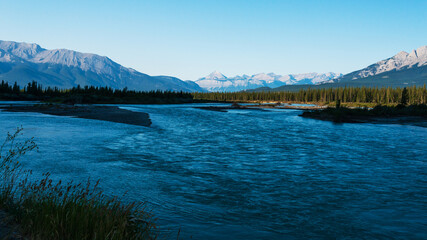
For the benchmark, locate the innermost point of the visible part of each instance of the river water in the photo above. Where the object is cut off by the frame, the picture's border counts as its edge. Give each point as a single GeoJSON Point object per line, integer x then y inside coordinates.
{"type": "Point", "coordinates": [245, 174]}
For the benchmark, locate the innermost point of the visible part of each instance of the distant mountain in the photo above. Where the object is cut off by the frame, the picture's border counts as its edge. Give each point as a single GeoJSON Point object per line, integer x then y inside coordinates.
{"type": "Point", "coordinates": [24, 62]}
{"type": "Point", "coordinates": [217, 81]}
{"type": "Point", "coordinates": [407, 68]}
{"type": "Point", "coordinates": [401, 70]}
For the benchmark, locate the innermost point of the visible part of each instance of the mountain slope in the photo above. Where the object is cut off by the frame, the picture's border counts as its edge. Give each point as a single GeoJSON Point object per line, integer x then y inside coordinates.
{"type": "Point", "coordinates": [410, 63]}
{"type": "Point", "coordinates": [217, 81]}
{"type": "Point", "coordinates": [23, 62]}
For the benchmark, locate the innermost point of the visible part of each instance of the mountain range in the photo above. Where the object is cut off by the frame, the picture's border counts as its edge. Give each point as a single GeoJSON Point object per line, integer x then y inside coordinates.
{"type": "Point", "coordinates": [24, 62]}
{"type": "Point", "coordinates": [401, 70]}
{"type": "Point", "coordinates": [217, 81]}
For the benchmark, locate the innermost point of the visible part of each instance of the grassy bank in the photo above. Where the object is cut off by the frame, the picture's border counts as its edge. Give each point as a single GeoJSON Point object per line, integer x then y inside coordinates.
{"type": "Point", "coordinates": [45, 209]}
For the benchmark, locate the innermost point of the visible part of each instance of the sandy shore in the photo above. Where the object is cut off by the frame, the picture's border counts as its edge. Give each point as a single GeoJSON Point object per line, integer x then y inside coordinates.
{"type": "Point", "coordinates": [104, 113]}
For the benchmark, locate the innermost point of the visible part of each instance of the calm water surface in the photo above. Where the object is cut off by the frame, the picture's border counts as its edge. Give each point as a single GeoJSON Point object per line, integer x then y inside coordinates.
{"type": "Point", "coordinates": [246, 174]}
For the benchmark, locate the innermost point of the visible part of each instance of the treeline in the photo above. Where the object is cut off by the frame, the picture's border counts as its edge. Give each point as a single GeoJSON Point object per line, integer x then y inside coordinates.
{"type": "Point", "coordinates": [89, 94]}
{"type": "Point", "coordinates": [412, 95]}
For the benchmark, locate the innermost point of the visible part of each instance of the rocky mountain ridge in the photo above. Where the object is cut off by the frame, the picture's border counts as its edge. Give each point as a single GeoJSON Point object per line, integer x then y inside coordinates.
{"type": "Point", "coordinates": [401, 61]}
{"type": "Point", "coordinates": [24, 62]}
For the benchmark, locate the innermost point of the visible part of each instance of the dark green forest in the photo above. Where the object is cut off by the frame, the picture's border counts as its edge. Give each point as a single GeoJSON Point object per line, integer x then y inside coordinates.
{"type": "Point", "coordinates": [414, 95]}
{"type": "Point", "coordinates": [87, 95]}
{"type": "Point", "coordinates": [374, 95]}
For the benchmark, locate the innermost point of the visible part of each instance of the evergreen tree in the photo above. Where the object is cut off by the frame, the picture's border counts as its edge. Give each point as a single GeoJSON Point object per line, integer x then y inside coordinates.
{"type": "Point", "coordinates": [405, 97]}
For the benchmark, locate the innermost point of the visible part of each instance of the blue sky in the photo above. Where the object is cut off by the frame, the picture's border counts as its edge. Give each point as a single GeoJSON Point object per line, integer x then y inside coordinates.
{"type": "Point", "coordinates": [190, 39]}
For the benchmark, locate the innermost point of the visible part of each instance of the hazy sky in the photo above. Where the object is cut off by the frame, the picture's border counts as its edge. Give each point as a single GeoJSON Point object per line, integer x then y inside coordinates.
{"type": "Point", "coordinates": [190, 39]}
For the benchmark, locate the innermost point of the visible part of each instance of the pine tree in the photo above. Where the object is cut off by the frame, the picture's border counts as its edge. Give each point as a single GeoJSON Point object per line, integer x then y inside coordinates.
{"type": "Point", "coordinates": [405, 97]}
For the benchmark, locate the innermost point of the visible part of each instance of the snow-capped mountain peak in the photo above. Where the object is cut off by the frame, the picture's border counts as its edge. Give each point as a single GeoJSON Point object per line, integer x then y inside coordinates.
{"type": "Point", "coordinates": [218, 82]}
{"type": "Point", "coordinates": [215, 75]}
{"type": "Point", "coordinates": [262, 76]}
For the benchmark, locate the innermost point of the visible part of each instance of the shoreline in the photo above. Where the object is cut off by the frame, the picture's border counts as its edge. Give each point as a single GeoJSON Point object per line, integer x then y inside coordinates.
{"type": "Point", "coordinates": [402, 120]}
{"type": "Point", "coordinates": [324, 113]}
{"type": "Point", "coordinates": [410, 115]}
{"type": "Point", "coordinates": [103, 113]}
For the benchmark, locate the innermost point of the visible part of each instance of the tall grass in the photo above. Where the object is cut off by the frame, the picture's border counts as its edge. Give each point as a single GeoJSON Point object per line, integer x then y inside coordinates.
{"type": "Point", "coordinates": [45, 209]}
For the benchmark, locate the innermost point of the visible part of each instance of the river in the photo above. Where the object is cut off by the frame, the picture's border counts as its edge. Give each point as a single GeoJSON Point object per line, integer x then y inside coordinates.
{"type": "Point", "coordinates": [245, 174]}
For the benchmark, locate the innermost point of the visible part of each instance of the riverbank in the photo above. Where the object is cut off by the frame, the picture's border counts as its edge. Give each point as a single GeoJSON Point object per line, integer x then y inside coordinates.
{"type": "Point", "coordinates": [104, 113]}
{"type": "Point", "coordinates": [415, 115]}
